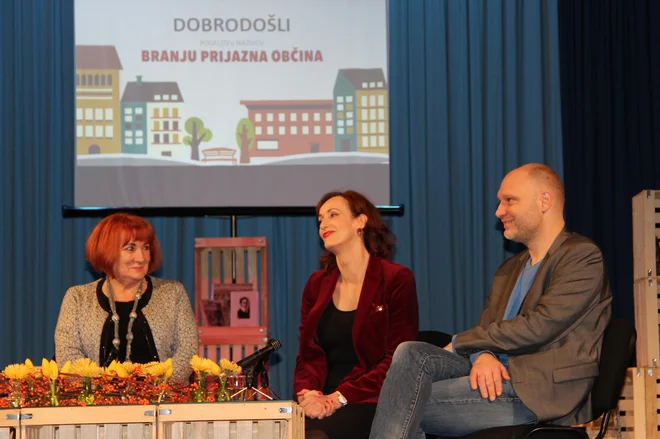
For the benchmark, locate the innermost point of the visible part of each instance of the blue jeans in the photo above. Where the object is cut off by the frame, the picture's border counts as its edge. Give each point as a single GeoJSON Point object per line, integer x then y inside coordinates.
{"type": "Point", "coordinates": [427, 390]}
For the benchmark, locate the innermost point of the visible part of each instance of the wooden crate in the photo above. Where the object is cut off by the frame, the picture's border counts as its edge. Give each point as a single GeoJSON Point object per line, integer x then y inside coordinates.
{"type": "Point", "coordinates": [109, 422]}
{"type": "Point", "coordinates": [261, 420]}
{"type": "Point", "coordinates": [226, 420]}
{"type": "Point", "coordinates": [226, 262]}
{"type": "Point", "coordinates": [638, 415]}
{"type": "Point", "coordinates": [646, 227]}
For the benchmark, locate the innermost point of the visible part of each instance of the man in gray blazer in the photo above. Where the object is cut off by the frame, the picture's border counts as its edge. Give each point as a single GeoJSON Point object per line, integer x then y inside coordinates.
{"type": "Point", "coordinates": [534, 354]}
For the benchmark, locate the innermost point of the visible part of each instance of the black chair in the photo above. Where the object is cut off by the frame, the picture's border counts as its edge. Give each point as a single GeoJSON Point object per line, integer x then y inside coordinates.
{"type": "Point", "coordinates": [436, 338]}
{"type": "Point", "coordinates": [618, 348]}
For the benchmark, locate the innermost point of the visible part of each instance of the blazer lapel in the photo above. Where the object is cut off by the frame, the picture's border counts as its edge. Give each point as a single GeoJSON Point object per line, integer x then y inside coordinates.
{"type": "Point", "coordinates": [538, 286]}
{"type": "Point", "coordinates": [370, 286]}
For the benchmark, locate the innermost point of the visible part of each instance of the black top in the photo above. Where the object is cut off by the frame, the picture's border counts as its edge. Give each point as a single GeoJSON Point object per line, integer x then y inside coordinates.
{"type": "Point", "coordinates": [336, 339]}
{"type": "Point", "coordinates": [143, 348]}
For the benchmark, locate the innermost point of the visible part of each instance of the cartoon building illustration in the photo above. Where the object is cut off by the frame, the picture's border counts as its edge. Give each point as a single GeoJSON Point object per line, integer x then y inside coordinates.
{"type": "Point", "coordinates": [97, 100]}
{"type": "Point", "coordinates": [287, 127]}
{"type": "Point", "coordinates": [151, 115]}
{"type": "Point", "coordinates": [360, 110]}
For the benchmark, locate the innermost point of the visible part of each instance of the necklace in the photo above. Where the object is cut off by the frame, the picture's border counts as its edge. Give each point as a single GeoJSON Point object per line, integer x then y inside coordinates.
{"type": "Point", "coordinates": [131, 318]}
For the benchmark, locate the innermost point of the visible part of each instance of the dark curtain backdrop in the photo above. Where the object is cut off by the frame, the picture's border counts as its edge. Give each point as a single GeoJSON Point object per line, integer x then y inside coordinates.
{"type": "Point", "coordinates": [610, 91]}
{"type": "Point", "coordinates": [474, 93]}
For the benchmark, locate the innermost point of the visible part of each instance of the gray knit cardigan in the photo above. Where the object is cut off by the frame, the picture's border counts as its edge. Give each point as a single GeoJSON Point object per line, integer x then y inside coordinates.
{"type": "Point", "coordinates": [169, 314]}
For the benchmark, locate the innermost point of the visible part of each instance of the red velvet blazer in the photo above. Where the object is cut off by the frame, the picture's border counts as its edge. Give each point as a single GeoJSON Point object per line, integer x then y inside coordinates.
{"type": "Point", "coordinates": [387, 314]}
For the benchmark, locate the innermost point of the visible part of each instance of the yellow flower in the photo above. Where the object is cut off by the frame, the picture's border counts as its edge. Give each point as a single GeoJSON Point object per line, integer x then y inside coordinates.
{"type": "Point", "coordinates": [86, 368]}
{"type": "Point", "coordinates": [215, 369]}
{"type": "Point", "coordinates": [16, 371]}
{"type": "Point", "coordinates": [29, 364]}
{"type": "Point", "coordinates": [117, 369]}
{"type": "Point", "coordinates": [201, 365]}
{"type": "Point", "coordinates": [230, 367]}
{"type": "Point", "coordinates": [161, 370]}
{"type": "Point", "coordinates": [130, 367]}
{"type": "Point", "coordinates": [49, 369]}
{"type": "Point", "coordinates": [169, 370]}
{"type": "Point", "coordinates": [66, 368]}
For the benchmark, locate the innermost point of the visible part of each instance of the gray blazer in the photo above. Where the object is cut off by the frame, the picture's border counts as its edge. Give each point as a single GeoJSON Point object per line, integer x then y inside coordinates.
{"type": "Point", "coordinates": [554, 343]}
{"type": "Point", "coordinates": [169, 314]}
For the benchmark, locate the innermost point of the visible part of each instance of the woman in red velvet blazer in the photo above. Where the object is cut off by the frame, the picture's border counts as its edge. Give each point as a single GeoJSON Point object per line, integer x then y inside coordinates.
{"type": "Point", "coordinates": [355, 312]}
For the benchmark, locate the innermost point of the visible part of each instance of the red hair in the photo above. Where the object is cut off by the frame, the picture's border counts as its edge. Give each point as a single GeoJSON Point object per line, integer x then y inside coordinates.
{"type": "Point", "coordinates": [115, 231]}
{"type": "Point", "coordinates": [378, 238]}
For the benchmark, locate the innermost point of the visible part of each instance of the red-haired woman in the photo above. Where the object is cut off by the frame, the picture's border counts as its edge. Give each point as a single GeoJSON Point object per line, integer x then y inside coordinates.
{"type": "Point", "coordinates": [355, 312]}
{"type": "Point", "coordinates": [127, 315]}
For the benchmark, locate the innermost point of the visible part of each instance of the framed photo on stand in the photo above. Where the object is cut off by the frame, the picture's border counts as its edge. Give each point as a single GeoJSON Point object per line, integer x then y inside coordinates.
{"type": "Point", "coordinates": [244, 308]}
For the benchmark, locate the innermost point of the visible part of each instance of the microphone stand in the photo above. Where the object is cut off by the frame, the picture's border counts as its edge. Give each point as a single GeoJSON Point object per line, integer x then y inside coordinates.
{"type": "Point", "coordinates": [262, 373]}
{"type": "Point", "coordinates": [258, 371]}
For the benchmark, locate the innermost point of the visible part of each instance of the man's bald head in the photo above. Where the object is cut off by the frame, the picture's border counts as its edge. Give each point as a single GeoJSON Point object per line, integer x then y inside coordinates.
{"type": "Point", "coordinates": [546, 179]}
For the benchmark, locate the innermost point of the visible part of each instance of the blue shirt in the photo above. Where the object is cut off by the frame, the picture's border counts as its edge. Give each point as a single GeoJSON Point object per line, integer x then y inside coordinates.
{"type": "Point", "coordinates": [520, 290]}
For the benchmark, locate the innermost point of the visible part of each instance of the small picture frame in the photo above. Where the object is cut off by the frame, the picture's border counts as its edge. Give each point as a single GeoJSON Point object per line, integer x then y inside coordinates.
{"type": "Point", "coordinates": [216, 310]}
{"type": "Point", "coordinates": [244, 308]}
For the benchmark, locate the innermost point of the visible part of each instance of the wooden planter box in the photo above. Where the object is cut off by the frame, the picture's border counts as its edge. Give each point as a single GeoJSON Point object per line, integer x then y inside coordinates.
{"type": "Point", "coordinates": [263, 420]}
{"type": "Point", "coordinates": [109, 422]}
{"type": "Point", "coordinates": [228, 420]}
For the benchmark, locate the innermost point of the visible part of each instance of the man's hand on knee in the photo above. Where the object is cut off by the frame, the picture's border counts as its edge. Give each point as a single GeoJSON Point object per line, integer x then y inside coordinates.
{"type": "Point", "coordinates": [487, 374]}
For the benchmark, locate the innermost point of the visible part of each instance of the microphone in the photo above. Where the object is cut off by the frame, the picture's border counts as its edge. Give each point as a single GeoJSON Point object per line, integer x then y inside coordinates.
{"type": "Point", "coordinates": [252, 359]}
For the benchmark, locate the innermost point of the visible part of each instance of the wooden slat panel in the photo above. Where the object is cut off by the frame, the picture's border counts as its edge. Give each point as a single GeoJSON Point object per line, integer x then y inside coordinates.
{"type": "Point", "coordinates": [135, 431]}
{"type": "Point", "coordinates": [259, 241]}
{"type": "Point", "coordinates": [263, 290]}
{"type": "Point", "coordinates": [266, 430]}
{"type": "Point", "coordinates": [204, 264]}
{"type": "Point", "coordinates": [216, 263]}
{"type": "Point", "coordinates": [647, 323]}
{"type": "Point", "coordinates": [175, 430]}
{"type": "Point", "coordinates": [67, 431]}
{"type": "Point", "coordinates": [233, 335]}
{"type": "Point", "coordinates": [90, 432]}
{"type": "Point", "coordinates": [235, 411]}
{"type": "Point", "coordinates": [244, 430]}
{"type": "Point", "coordinates": [252, 266]}
{"type": "Point", "coordinates": [197, 430]}
{"type": "Point", "coordinates": [113, 431]}
{"type": "Point", "coordinates": [237, 352]}
{"type": "Point", "coordinates": [47, 432]}
{"type": "Point", "coordinates": [211, 352]}
{"type": "Point", "coordinates": [221, 430]}
{"type": "Point", "coordinates": [240, 264]}
{"type": "Point", "coordinates": [224, 351]}
{"type": "Point", "coordinates": [226, 266]}
{"type": "Point", "coordinates": [87, 415]}
{"type": "Point", "coordinates": [644, 235]}
{"type": "Point", "coordinates": [650, 402]}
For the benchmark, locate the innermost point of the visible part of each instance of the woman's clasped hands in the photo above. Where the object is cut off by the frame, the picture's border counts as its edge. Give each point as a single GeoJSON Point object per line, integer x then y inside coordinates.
{"type": "Point", "coordinates": [317, 405]}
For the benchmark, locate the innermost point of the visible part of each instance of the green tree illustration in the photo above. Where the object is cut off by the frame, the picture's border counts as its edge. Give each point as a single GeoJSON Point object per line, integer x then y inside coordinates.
{"type": "Point", "coordinates": [198, 134]}
{"type": "Point", "coordinates": [245, 138]}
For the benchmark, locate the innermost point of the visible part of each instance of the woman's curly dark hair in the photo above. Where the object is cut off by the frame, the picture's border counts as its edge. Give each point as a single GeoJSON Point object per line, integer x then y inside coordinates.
{"type": "Point", "coordinates": [378, 238]}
